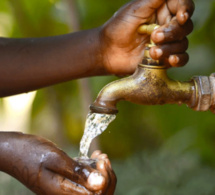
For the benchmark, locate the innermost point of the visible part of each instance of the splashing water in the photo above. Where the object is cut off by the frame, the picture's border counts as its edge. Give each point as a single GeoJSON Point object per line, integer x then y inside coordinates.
{"type": "Point", "coordinates": [94, 126]}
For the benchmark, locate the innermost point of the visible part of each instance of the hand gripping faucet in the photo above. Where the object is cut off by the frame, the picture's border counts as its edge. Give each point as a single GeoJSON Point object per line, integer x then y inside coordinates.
{"type": "Point", "coordinates": [150, 85]}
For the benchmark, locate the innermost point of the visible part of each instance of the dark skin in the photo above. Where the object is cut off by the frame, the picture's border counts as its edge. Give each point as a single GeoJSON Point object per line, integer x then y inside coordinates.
{"type": "Point", "coordinates": [45, 169]}
{"type": "Point", "coordinates": [113, 48]}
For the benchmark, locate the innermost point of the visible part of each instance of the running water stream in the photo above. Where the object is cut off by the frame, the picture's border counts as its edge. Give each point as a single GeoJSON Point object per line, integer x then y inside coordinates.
{"type": "Point", "coordinates": [94, 126]}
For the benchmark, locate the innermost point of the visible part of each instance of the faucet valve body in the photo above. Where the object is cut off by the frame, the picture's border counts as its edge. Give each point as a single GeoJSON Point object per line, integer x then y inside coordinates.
{"type": "Point", "coordinates": [150, 85]}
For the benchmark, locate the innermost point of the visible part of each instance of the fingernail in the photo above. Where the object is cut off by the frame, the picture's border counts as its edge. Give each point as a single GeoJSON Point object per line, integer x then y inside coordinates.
{"type": "Point", "coordinates": [158, 52]}
{"type": "Point", "coordinates": [96, 180]}
{"type": "Point", "coordinates": [160, 36]}
{"type": "Point", "coordinates": [184, 16]}
{"type": "Point", "coordinates": [103, 156]}
{"type": "Point", "coordinates": [174, 59]}
{"type": "Point", "coordinates": [101, 164]}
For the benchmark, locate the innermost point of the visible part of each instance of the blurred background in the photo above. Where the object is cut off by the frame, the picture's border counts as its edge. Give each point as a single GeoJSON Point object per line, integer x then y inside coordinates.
{"type": "Point", "coordinates": [155, 150]}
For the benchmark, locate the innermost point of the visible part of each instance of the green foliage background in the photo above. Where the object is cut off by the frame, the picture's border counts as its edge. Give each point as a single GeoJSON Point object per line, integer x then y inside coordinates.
{"type": "Point", "coordinates": [156, 150]}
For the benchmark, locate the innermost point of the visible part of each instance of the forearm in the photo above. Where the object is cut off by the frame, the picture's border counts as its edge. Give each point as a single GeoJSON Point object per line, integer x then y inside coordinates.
{"type": "Point", "coordinates": [44, 168]}
{"type": "Point", "coordinates": [18, 154]}
{"type": "Point", "coordinates": [7, 150]}
{"type": "Point", "coordinates": [32, 63]}
{"type": "Point", "coordinates": [23, 157]}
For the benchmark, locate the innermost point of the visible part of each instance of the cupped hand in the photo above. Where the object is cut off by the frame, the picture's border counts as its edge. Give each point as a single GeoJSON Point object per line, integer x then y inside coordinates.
{"type": "Point", "coordinates": [47, 170]}
{"type": "Point", "coordinates": [103, 165]}
{"type": "Point", "coordinates": [122, 47]}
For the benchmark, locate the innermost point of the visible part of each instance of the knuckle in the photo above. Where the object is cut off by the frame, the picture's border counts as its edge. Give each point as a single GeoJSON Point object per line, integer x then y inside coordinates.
{"type": "Point", "coordinates": [185, 44]}
{"type": "Point", "coordinates": [184, 59]}
{"type": "Point", "coordinates": [189, 26]}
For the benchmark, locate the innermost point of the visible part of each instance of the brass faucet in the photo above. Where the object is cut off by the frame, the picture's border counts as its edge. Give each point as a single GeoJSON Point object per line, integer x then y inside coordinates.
{"type": "Point", "coordinates": [150, 85]}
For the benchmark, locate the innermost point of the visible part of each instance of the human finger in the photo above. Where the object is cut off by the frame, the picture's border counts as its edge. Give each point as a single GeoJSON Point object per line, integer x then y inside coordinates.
{"type": "Point", "coordinates": [105, 158]}
{"type": "Point", "coordinates": [141, 10]}
{"type": "Point", "coordinates": [163, 15]}
{"type": "Point", "coordinates": [78, 172]}
{"type": "Point", "coordinates": [171, 32]}
{"type": "Point", "coordinates": [183, 9]}
{"type": "Point", "coordinates": [101, 156]}
{"type": "Point", "coordinates": [176, 60]}
{"type": "Point", "coordinates": [51, 183]}
{"type": "Point", "coordinates": [165, 50]}
{"type": "Point", "coordinates": [95, 154]}
{"type": "Point", "coordinates": [104, 166]}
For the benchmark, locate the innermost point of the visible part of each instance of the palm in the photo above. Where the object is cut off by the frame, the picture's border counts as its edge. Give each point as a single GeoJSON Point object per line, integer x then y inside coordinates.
{"type": "Point", "coordinates": [124, 49]}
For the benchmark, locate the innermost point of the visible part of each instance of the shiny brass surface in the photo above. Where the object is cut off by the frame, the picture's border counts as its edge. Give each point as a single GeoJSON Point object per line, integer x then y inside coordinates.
{"type": "Point", "coordinates": [147, 28]}
{"type": "Point", "coordinates": [149, 85]}
{"type": "Point", "coordinates": [147, 60]}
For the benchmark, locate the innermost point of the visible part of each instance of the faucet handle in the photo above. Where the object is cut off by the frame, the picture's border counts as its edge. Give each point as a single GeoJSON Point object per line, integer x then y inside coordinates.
{"type": "Point", "coordinates": [147, 28]}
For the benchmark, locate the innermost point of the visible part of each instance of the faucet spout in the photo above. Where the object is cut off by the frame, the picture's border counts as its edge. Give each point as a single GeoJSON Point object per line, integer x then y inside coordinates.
{"type": "Point", "coordinates": [149, 85]}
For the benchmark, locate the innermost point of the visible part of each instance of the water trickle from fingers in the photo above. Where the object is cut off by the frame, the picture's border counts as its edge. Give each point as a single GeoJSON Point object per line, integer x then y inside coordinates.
{"type": "Point", "coordinates": [95, 124]}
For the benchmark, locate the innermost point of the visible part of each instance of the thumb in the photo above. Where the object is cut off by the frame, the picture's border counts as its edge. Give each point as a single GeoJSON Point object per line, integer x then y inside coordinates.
{"type": "Point", "coordinates": [185, 11]}
{"type": "Point", "coordinates": [142, 9]}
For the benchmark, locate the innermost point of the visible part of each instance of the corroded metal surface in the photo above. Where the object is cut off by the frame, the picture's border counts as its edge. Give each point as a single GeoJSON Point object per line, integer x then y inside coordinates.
{"type": "Point", "coordinates": [205, 93]}
{"type": "Point", "coordinates": [149, 85]}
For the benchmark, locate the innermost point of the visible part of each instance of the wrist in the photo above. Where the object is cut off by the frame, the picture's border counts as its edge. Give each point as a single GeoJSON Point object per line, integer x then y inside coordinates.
{"type": "Point", "coordinates": [7, 149]}
{"type": "Point", "coordinates": [104, 51]}
{"type": "Point", "coordinates": [97, 53]}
